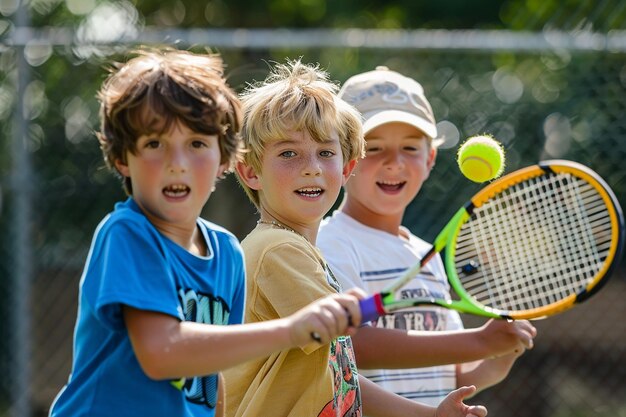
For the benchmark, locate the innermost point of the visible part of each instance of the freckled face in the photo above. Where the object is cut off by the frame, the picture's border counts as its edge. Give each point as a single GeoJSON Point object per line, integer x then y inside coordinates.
{"type": "Point", "coordinates": [300, 178]}
{"type": "Point", "coordinates": [398, 160]}
{"type": "Point", "coordinates": [173, 174]}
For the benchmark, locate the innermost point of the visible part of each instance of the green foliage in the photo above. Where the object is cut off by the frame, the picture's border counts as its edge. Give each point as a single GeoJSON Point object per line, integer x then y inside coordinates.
{"type": "Point", "coordinates": [389, 14]}
{"type": "Point", "coordinates": [564, 14]}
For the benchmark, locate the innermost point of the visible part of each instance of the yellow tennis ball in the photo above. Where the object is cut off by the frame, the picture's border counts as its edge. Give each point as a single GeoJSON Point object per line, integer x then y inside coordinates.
{"type": "Point", "coordinates": [481, 158]}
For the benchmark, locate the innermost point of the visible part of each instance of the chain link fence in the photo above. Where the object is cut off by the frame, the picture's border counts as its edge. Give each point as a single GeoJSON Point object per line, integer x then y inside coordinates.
{"type": "Point", "coordinates": [541, 99]}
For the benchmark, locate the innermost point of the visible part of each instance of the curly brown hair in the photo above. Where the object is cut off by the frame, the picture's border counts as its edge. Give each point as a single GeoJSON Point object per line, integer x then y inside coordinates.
{"type": "Point", "coordinates": [160, 87]}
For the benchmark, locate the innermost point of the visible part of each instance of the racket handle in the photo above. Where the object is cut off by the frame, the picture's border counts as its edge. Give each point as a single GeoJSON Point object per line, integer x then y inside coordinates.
{"type": "Point", "coordinates": [315, 336]}
{"type": "Point", "coordinates": [371, 308]}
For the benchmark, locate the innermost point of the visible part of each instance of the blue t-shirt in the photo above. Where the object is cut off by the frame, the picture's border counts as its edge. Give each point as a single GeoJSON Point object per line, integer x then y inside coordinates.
{"type": "Point", "coordinates": [131, 263]}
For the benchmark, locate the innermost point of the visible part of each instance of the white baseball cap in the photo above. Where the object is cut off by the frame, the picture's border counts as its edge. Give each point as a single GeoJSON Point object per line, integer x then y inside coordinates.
{"type": "Point", "coordinates": [384, 96]}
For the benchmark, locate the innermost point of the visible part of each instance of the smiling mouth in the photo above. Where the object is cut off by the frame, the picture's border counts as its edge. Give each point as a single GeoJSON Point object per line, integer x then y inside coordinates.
{"type": "Point", "coordinates": [176, 190]}
{"type": "Point", "coordinates": [391, 185]}
{"type": "Point", "coordinates": [310, 192]}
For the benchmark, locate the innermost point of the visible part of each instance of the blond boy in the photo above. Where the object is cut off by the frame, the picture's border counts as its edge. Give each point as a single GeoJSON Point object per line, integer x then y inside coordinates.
{"type": "Point", "coordinates": [302, 145]}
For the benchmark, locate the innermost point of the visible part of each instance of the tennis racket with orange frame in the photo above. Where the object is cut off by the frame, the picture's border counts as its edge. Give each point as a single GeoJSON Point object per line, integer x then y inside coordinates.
{"type": "Point", "coordinates": [531, 244]}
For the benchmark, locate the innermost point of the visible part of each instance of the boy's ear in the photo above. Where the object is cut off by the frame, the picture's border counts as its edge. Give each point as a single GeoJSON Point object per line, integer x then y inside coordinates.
{"type": "Point", "coordinates": [347, 170]}
{"type": "Point", "coordinates": [122, 168]}
{"type": "Point", "coordinates": [248, 175]}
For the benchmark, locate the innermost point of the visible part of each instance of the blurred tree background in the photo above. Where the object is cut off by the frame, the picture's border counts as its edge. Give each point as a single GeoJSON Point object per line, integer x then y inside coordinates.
{"type": "Point", "coordinates": [542, 102]}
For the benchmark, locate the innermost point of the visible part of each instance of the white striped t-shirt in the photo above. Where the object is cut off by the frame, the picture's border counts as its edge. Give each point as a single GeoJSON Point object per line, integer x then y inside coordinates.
{"type": "Point", "coordinates": [361, 256]}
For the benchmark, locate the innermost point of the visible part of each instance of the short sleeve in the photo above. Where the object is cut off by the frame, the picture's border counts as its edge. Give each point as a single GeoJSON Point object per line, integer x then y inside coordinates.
{"type": "Point", "coordinates": [291, 277]}
{"type": "Point", "coordinates": [128, 266]}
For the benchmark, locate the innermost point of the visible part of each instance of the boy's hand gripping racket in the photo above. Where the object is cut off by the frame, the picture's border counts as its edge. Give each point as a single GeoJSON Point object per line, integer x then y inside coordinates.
{"type": "Point", "coordinates": [530, 244]}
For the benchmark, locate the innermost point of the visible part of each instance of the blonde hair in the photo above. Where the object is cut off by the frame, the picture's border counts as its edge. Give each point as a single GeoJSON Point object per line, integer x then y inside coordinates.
{"type": "Point", "coordinates": [160, 87]}
{"type": "Point", "coordinates": [296, 97]}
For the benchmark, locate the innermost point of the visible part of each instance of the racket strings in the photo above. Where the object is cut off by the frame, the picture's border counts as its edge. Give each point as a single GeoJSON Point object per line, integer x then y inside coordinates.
{"type": "Point", "coordinates": [536, 243]}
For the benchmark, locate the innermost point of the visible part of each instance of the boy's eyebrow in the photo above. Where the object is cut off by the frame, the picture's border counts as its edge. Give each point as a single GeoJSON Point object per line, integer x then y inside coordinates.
{"type": "Point", "coordinates": [405, 137]}
{"type": "Point", "coordinates": [289, 141]}
{"type": "Point", "coordinates": [282, 141]}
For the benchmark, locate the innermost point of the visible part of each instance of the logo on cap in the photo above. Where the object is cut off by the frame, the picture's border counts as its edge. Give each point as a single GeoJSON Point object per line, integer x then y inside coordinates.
{"type": "Point", "coordinates": [384, 96]}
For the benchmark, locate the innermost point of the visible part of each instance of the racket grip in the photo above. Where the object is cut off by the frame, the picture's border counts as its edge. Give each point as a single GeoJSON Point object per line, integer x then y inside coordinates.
{"type": "Point", "coordinates": [371, 308]}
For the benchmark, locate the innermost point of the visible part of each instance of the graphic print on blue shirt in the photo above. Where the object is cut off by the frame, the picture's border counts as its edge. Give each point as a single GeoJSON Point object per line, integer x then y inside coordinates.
{"type": "Point", "coordinates": [207, 309]}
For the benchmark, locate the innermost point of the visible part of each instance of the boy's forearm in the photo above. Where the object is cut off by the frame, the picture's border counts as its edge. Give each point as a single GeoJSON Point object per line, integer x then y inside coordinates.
{"type": "Point", "coordinates": [207, 350]}
{"type": "Point", "coordinates": [169, 349]}
{"type": "Point", "coordinates": [377, 348]}
{"type": "Point", "coordinates": [486, 373]}
{"type": "Point", "coordinates": [380, 402]}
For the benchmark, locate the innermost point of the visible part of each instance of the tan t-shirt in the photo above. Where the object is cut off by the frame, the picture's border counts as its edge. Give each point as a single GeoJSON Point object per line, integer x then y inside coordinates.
{"type": "Point", "coordinates": [286, 273]}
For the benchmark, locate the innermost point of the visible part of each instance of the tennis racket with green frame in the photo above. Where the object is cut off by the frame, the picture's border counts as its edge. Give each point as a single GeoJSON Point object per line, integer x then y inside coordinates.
{"type": "Point", "coordinates": [531, 244]}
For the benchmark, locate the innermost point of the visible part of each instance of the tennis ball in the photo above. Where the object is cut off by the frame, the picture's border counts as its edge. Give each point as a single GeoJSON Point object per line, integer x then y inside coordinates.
{"type": "Point", "coordinates": [481, 158]}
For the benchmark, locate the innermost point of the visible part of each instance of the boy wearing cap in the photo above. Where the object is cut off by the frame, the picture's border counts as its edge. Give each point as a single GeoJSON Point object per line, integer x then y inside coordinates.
{"type": "Point", "coordinates": [366, 246]}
